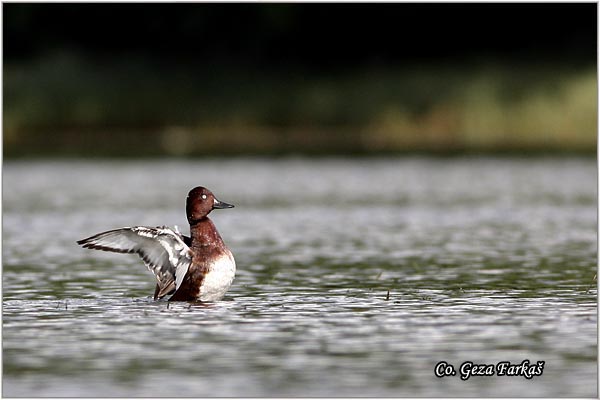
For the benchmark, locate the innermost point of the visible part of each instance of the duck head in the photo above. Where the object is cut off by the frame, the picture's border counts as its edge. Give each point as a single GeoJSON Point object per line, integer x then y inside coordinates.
{"type": "Point", "coordinates": [200, 202]}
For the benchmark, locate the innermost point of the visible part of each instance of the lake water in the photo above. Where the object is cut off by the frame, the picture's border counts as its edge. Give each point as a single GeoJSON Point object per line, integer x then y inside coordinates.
{"type": "Point", "coordinates": [484, 259]}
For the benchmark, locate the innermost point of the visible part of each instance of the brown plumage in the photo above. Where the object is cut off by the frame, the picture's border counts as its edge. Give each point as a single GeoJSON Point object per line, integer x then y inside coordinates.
{"type": "Point", "coordinates": [198, 267]}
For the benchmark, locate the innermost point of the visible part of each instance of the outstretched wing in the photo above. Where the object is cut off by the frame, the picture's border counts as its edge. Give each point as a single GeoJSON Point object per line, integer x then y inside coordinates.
{"type": "Point", "coordinates": [163, 250]}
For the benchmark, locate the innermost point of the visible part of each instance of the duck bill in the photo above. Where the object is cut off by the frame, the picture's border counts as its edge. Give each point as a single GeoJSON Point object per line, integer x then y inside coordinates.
{"type": "Point", "coordinates": [221, 204]}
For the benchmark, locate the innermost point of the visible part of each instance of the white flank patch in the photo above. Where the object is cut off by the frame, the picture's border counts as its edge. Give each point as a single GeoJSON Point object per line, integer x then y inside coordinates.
{"type": "Point", "coordinates": [218, 280]}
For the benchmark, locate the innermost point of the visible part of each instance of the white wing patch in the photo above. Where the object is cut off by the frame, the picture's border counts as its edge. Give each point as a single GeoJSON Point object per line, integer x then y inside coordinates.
{"type": "Point", "coordinates": [163, 250]}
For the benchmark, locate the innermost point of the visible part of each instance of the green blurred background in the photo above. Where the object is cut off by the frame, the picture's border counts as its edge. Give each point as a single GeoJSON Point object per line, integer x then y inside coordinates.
{"type": "Point", "coordinates": [95, 80]}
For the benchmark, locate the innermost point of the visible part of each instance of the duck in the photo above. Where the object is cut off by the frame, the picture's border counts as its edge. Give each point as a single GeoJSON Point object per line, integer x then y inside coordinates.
{"type": "Point", "coordinates": [195, 268]}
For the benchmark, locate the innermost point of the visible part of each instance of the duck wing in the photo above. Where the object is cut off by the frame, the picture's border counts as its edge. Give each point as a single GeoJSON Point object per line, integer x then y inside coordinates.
{"type": "Point", "coordinates": [163, 250]}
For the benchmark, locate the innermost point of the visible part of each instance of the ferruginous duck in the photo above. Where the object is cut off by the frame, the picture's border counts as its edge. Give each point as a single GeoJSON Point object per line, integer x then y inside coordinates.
{"type": "Point", "coordinates": [200, 267]}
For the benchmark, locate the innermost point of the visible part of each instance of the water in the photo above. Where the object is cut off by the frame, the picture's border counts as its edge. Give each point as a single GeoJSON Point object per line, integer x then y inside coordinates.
{"type": "Point", "coordinates": [485, 260]}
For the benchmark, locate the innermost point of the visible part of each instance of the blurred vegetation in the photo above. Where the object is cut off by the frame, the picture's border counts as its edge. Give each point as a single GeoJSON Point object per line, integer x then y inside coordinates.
{"type": "Point", "coordinates": [269, 78]}
{"type": "Point", "coordinates": [67, 105]}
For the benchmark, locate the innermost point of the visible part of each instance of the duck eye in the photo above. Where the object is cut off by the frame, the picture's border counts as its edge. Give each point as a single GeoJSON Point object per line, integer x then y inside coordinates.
{"type": "Point", "coordinates": [204, 197]}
